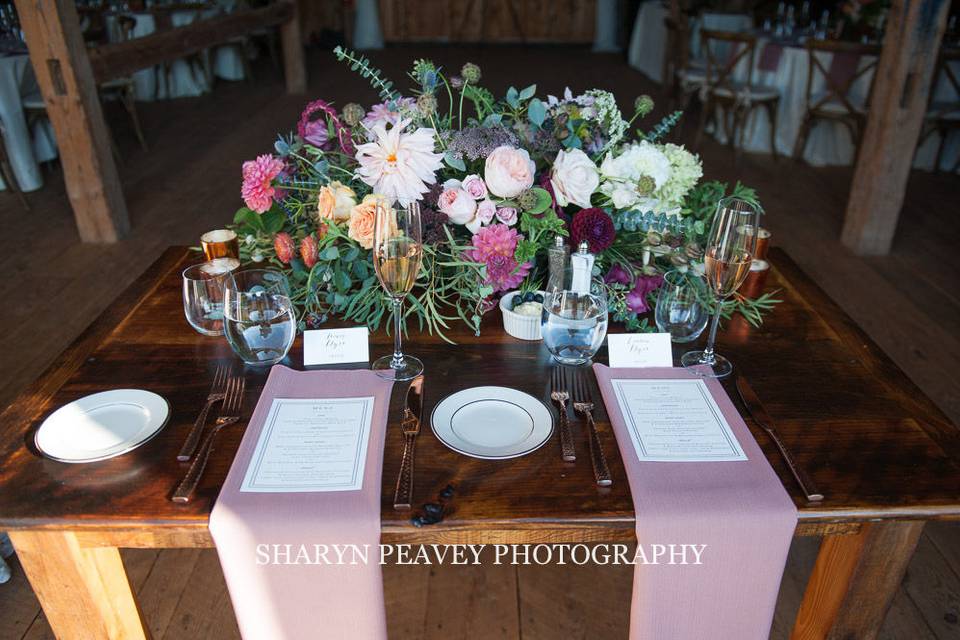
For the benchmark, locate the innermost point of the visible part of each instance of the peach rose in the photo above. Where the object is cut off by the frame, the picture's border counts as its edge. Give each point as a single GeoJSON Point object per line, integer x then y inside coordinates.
{"type": "Point", "coordinates": [335, 202]}
{"type": "Point", "coordinates": [508, 171]}
{"type": "Point", "coordinates": [363, 219]}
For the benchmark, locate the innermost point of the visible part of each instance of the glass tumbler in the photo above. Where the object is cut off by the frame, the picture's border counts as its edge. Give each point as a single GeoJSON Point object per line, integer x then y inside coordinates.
{"type": "Point", "coordinates": [574, 324]}
{"type": "Point", "coordinates": [260, 322]}
{"type": "Point", "coordinates": [203, 294]}
{"type": "Point", "coordinates": [680, 311]}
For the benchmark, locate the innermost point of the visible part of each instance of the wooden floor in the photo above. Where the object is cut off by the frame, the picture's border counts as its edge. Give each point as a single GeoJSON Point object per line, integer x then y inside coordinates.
{"type": "Point", "coordinates": [188, 182]}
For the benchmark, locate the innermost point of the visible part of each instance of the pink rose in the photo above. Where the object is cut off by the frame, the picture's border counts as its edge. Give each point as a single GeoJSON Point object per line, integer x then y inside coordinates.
{"type": "Point", "coordinates": [459, 206]}
{"type": "Point", "coordinates": [475, 186]}
{"type": "Point", "coordinates": [508, 171]}
{"type": "Point", "coordinates": [486, 210]}
{"type": "Point", "coordinates": [507, 215]}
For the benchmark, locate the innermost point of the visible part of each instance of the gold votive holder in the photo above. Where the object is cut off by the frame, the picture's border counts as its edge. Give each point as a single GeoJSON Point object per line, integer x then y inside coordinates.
{"type": "Point", "coordinates": [220, 243]}
{"type": "Point", "coordinates": [752, 286]}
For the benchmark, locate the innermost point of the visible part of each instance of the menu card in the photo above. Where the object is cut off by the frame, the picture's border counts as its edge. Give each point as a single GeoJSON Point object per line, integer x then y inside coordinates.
{"type": "Point", "coordinates": [675, 421]}
{"type": "Point", "coordinates": [311, 445]}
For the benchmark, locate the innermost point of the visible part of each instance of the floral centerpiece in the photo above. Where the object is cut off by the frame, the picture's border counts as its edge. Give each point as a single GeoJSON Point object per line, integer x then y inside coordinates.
{"type": "Point", "coordinates": [496, 179]}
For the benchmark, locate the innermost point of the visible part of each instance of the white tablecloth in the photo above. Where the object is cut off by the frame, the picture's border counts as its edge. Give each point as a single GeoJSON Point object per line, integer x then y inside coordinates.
{"type": "Point", "coordinates": [829, 142]}
{"type": "Point", "coordinates": [24, 148]}
{"type": "Point", "coordinates": [183, 81]}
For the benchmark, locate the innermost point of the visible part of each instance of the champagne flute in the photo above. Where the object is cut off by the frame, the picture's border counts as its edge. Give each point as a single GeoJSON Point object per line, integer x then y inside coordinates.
{"type": "Point", "coordinates": [730, 248]}
{"type": "Point", "coordinates": [397, 253]}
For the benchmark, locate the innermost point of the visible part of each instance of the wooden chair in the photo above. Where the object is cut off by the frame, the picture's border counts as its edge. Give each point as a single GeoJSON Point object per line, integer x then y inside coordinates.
{"type": "Point", "coordinates": [737, 98]}
{"type": "Point", "coordinates": [682, 77]}
{"type": "Point", "coordinates": [943, 116]}
{"type": "Point", "coordinates": [124, 89]}
{"type": "Point", "coordinates": [835, 103]}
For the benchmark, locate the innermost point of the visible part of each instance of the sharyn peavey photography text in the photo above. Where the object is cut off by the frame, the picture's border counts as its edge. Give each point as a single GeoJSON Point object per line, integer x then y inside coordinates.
{"type": "Point", "coordinates": [464, 554]}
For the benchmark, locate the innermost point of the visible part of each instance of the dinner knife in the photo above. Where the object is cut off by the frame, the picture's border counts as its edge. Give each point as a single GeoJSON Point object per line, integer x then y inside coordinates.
{"type": "Point", "coordinates": [762, 418]}
{"type": "Point", "coordinates": [412, 412]}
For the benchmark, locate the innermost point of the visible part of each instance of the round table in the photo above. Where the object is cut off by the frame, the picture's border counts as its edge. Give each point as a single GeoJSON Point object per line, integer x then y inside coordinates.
{"type": "Point", "coordinates": [25, 148]}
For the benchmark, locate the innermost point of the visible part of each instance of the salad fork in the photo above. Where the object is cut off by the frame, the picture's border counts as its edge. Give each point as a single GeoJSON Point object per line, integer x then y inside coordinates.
{"type": "Point", "coordinates": [583, 405]}
{"type": "Point", "coordinates": [229, 414]}
{"type": "Point", "coordinates": [560, 395]}
{"type": "Point", "coordinates": [217, 392]}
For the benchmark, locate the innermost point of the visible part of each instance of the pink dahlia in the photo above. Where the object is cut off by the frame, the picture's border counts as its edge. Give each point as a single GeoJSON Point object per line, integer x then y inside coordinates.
{"type": "Point", "coordinates": [594, 226]}
{"type": "Point", "coordinates": [495, 246]}
{"type": "Point", "coordinates": [257, 190]}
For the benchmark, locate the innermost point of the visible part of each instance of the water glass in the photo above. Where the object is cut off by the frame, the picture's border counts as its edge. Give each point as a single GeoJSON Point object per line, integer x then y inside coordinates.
{"type": "Point", "coordinates": [203, 294]}
{"type": "Point", "coordinates": [574, 324]}
{"type": "Point", "coordinates": [680, 310]}
{"type": "Point", "coordinates": [260, 322]}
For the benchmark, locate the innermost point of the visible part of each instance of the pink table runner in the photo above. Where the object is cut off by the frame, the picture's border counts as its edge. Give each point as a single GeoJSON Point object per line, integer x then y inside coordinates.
{"type": "Point", "coordinates": [299, 601]}
{"type": "Point", "coordinates": [740, 510]}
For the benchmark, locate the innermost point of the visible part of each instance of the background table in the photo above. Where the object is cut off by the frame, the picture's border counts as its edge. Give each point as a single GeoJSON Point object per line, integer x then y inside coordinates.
{"type": "Point", "coordinates": [881, 452]}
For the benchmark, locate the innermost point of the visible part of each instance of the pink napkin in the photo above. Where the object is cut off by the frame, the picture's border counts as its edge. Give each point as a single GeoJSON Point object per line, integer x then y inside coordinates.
{"type": "Point", "coordinates": [294, 601]}
{"type": "Point", "coordinates": [770, 57]}
{"type": "Point", "coordinates": [740, 510]}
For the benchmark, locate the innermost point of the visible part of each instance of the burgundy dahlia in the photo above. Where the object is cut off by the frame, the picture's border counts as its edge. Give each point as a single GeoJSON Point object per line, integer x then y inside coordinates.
{"type": "Point", "coordinates": [594, 226]}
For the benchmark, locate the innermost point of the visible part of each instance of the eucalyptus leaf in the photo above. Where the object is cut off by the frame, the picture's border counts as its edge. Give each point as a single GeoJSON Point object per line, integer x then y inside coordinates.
{"type": "Point", "coordinates": [330, 253]}
{"type": "Point", "coordinates": [536, 112]}
{"type": "Point", "coordinates": [527, 93]}
{"type": "Point", "coordinates": [453, 161]}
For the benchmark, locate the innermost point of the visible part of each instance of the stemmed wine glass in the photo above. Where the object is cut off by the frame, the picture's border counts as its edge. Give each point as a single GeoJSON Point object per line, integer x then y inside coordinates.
{"type": "Point", "coordinates": [730, 248]}
{"type": "Point", "coordinates": [397, 253]}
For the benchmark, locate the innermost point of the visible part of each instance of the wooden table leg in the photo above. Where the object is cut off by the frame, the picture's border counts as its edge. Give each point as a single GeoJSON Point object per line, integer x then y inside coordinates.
{"type": "Point", "coordinates": [84, 592]}
{"type": "Point", "coordinates": [854, 581]}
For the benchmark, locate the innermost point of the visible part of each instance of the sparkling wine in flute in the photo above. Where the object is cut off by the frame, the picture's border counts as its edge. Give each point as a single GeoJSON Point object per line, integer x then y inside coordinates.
{"type": "Point", "coordinates": [397, 262]}
{"type": "Point", "coordinates": [725, 274]}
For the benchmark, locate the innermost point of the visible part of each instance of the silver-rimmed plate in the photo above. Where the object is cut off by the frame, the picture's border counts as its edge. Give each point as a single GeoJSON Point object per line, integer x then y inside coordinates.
{"type": "Point", "coordinates": [102, 425]}
{"type": "Point", "coordinates": [492, 423]}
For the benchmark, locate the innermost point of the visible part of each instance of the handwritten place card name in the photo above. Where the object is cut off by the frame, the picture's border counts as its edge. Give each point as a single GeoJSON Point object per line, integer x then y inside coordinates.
{"type": "Point", "coordinates": [640, 350]}
{"type": "Point", "coordinates": [336, 346]}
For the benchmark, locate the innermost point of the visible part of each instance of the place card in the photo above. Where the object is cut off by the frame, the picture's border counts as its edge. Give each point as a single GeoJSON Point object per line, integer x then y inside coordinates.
{"type": "Point", "coordinates": [336, 346]}
{"type": "Point", "coordinates": [311, 445]}
{"type": "Point", "coordinates": [675, 421]}
{"type": "Point", "coordinates": [639, 350]}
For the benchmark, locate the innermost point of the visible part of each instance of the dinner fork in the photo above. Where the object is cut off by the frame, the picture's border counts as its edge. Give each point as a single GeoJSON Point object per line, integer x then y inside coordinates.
{"type": "Point", "coordinates": [560, 395]}
{"type": "Point", "coordinates": [583, 405]}
{"type": "Point", "coordinates": [229, 414]}
{"type": "Point", "coordinates": [217, 391]}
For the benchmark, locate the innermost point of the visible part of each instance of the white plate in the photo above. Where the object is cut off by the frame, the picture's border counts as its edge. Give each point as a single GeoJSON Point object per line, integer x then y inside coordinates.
{"type": "Point", "coordinates": [102, 425]}
{"type": "Point", "coordinates": [492, 423]}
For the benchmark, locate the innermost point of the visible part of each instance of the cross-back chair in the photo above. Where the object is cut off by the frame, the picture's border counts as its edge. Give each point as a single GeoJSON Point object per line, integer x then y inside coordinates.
{"type": "Point", "coordinates": [943, 116]}
{"type": "Point", "coordinates": [732, 90]}
{"type": "Point", "coordinates": [834, 101]}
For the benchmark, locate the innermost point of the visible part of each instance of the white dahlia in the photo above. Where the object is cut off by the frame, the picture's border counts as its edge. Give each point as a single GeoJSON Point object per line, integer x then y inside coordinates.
{"type": "Point", "coordinates": [399, 165]}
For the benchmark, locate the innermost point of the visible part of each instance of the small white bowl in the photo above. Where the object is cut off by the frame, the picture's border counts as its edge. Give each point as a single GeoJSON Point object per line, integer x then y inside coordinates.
{"type": "Point", "coordinates": [517, 324]}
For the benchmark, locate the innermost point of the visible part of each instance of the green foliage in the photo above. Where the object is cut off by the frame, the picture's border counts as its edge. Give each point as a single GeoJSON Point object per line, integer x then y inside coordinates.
{"type": "Point", "coordinates": [362, 65]}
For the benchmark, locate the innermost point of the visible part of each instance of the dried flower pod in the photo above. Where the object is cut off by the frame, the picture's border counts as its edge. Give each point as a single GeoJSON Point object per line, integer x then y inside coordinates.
{"type": "Point", "coordinates": [308, 251]}
{"type": "Point", "coordinates": [654, 239]}
{"type": "Point", "coordinates": [470, 73]}
{"type": "Point", "coordinates": [561, 133]}
{"type": "Point", "coordinates": [527, 200]}
{"type": "Point", "coordinates": [649, 270]}
{"type": "Point", "coordinates": [678, 259]}
{"type": "Point", "coordinates": [284, 247]}
{"type": "Point", "coordinates": [427, 104]}
{"type": "Point", "coordinates": [353, 113]}
{"type": "Point", "coordinates": [643, 105]}
{"type": "Point", "coordinates": [693, 251]}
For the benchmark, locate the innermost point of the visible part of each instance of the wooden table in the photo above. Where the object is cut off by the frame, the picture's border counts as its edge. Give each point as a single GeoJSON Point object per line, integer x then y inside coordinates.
{"type": "Point", "coordinates": [881, 452]}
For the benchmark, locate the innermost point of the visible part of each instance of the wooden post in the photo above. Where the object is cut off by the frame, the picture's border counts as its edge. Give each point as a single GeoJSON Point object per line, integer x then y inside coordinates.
{"type": "Point", "coordinates": [294, 66]}
{"type": "Point", "coordinates": [60, 62]}
{"type": "Point", "coordinates": [85, 593]}
{"type": "Point", "coordinates": [903, 78]}
{"type": "Point", "coordinates": [854, 581]}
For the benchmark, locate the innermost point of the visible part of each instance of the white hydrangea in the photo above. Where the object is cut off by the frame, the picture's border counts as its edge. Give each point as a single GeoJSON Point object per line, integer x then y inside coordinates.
{"type": "Point", "coordinates": [619, 175]}
{"type": "Point", "coordinates": [685, 171]}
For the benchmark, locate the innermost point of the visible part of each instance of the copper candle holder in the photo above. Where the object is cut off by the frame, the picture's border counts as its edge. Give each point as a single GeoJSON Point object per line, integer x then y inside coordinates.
{"type": "Point", "coordinates": [752, 286]}
{"type": "Point", "coordinates": [763, 243]}
{"type": "Point", "coordinates": [220, 243]}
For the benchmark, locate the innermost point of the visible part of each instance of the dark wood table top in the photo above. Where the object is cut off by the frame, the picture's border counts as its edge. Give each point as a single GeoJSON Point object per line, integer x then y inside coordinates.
{"type": "Point", "coordinates": [873, 443]}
